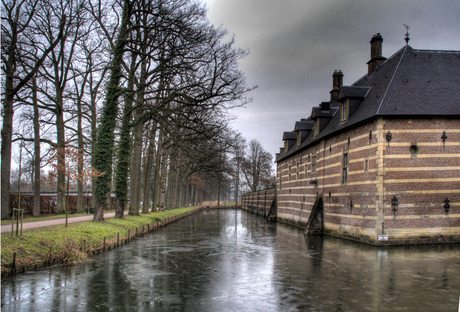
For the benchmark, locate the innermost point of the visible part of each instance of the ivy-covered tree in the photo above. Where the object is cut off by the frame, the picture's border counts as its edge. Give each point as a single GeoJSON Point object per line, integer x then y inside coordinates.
{"type": "Point", "coordinates": [105, 137]}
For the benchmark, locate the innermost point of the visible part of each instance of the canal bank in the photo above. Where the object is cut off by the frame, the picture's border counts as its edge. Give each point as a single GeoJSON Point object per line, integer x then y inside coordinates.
{"type": "Point", "coordinates": [230, 260]}
{"type": "Point", "coordinates": [44, 246]}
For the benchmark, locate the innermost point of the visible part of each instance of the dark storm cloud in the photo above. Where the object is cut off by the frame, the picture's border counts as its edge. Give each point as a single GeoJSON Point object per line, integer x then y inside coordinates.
{"type": "Point", "coordinates": [296, 45]}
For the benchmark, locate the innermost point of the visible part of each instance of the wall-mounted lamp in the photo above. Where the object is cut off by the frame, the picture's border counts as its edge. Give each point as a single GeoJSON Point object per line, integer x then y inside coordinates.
{"type": "Point", "coordinates": [351, 206]}
{"type": "Point", "coordinates": [394, 205]}
{"type": "Point", "coordinates": [315, 181]}
{"type": "Point", "coordinates": [444, 139]}
{"type": "Point", "coordinates": [447, 206]}
{"type": "Point", "coordinates": [388, 136]}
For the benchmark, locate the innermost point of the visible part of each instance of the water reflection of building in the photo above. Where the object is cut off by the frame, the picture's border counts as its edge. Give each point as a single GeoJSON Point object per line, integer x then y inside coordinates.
{"type": "Point", "coordinates": [383, 153]}
{"type": "Point", "coordinates": [339, 275]}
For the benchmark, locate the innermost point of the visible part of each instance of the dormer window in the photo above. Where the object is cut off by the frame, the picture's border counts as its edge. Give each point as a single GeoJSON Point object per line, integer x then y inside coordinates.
{"type": "Point", "coordinates": [286, 146]}
{"type": "Point", "coordinates": [299, 138]}
{"type": "Point", "coordinates": [316, 127]}
{"type": "Point", "coordinates": [344, 110]}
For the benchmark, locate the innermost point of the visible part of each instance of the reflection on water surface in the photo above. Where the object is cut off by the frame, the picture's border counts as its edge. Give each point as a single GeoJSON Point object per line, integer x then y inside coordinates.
{"type": "Point", "coordinates": [227, 260]}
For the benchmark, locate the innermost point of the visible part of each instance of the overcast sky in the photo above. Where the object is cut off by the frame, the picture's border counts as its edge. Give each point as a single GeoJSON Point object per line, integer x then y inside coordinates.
{"type": "Point", "coordinates": [295, 46]}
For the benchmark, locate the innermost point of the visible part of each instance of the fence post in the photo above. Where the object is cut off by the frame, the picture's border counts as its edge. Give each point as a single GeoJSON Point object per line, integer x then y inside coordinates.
{"type": "Point", "coordinates": [14, 262]}
{"type": "Point", "coordinates": [118, 238]}
{"type": "Point", "coordinates": [103, 248]}
{"type": "Point", "coordinates": [128, 235]}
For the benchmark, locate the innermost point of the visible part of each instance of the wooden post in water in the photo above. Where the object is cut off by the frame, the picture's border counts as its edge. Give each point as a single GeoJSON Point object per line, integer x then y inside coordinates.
{"type": "Point", "coordinates": [103, 247]}
{"type": "Point", "coordinates": [128, 235]}
{"type": "Point", "coordinates": [118, 238]}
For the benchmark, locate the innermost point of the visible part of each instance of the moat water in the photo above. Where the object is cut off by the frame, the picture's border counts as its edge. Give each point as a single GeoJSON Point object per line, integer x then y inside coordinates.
{"type": "Point", "coordinates": [227, 260]}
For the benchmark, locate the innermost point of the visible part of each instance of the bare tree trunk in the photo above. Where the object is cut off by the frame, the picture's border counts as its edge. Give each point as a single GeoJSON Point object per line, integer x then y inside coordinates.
{"type": "Point", "coordinates": [156, 177]}
{"type": "Point", "coordinates": [93, 144]}
{"type": "Point", "coordinates": [176, 195]}
{"type": "Point", "coordinates": [182, 191]}
{"type": "Point", "coordinates": [168, 187]}
{"type": "Point", "coordinates": [188, 192]}
{"type": "Point", "coordinates": [7, 132]}
{"type": "Point", "coordinates": [12, 17]}
{"type": "Point", "coordinates": [148, 169]}
{"type": "Point", "coordinates": [136, 167]}
{"type": "Point", "coordinates": [61, 172]}
{"type": "Point", "coordinates": [80, 206]}
{"type": "Point", "coordinates": [163, 177]}
{"type": "Point", "coordinates": [36, 151]}
{"type": "Point", "coordinates": [136, 176]}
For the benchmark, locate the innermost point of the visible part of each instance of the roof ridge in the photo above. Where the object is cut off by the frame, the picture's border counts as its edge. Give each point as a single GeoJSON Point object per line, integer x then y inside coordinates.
{"type": "Point", "coordinates": [436, 51]}
{"type": "Point", "coordinates": [394, 74]}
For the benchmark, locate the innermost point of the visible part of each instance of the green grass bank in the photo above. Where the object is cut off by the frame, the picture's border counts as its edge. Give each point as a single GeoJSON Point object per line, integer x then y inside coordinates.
{"type": "Point", "coordinates": [59, 244]}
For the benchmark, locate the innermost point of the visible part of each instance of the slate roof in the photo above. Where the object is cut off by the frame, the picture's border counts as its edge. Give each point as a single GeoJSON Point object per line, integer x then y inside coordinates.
{"type": "Point", "coordinates": [303, 125]}
{"type": "Point", "coordinates": [354, 92]}
{"type": "Point", "coordinates": [287, 135]}
{"type": "Point", "coordinates": [317, 112]}
{"type": "Point", "coordinates": [411, 83]}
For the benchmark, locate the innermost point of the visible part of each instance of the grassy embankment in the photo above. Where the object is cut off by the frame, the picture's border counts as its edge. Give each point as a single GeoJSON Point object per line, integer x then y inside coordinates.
{"type": "Point", "coordinates": [58, 244]}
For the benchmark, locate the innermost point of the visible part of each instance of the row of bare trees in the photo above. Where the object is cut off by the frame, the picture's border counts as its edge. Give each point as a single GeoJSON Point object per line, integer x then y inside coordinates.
{"type": "Point", "coordinates": [126, 96]}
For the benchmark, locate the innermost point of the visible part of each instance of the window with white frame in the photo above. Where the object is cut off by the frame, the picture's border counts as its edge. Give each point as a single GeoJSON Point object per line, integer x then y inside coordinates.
{"type": "Point", "coordinates": [344, 110]}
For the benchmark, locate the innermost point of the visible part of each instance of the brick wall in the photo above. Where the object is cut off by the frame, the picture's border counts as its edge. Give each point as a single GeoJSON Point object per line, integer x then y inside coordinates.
{"type": "Point", "coordinates": [258, 202]}
{"type": "Point", "coordinates": [421, 178]}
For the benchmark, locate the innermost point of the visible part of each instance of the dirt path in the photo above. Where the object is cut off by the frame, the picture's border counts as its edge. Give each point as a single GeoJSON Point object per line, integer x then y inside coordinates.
{"type": "Point", "coordinates": [31, 225]}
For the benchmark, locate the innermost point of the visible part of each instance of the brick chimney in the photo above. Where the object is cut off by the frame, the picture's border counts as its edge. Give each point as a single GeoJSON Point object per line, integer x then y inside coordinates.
{"type": "Point", "coordinates": [376, 54]}
{"type": "Point", "coordinates": [337, 82]}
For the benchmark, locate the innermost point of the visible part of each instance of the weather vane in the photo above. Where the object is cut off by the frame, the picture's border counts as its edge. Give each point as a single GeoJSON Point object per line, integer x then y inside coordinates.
{"type": "Point", "coordinates": [407, 33]}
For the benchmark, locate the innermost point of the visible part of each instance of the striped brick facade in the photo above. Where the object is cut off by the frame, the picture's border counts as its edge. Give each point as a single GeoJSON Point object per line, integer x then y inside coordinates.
{"type": "Point", "coordinates": [417, 167]}
{"type": "Point", "coordinates": [258, 202]}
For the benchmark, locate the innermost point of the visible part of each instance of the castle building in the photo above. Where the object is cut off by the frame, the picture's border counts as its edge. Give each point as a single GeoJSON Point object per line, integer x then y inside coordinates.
{"type": "Point", "coordinates": [380, 161]}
